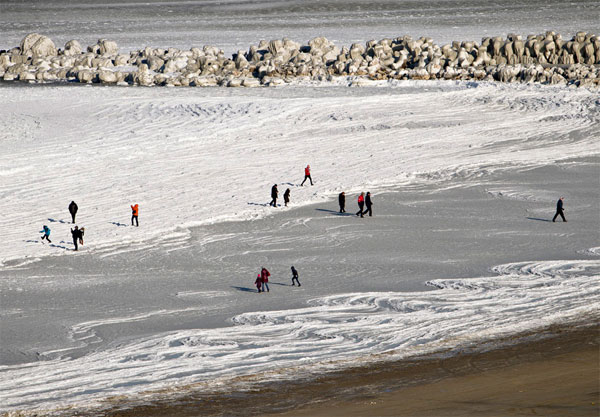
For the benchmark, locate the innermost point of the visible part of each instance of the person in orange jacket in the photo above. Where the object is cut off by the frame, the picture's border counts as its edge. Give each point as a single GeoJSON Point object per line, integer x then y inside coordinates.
{"type": "Point", "coordinates": [307, 175]}
{"type": "Point", "coordinates": [361, 204]}
{"type": "Point", "coordinates": [134, 214]}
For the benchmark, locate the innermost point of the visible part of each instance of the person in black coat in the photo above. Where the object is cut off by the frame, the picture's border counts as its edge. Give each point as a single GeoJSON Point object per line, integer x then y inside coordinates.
{"type": "Point", "coordinates": [274, 194]}
{"type": "Point", "coordinates": [342, 201]}
{"type": "Point", "coordinates": [73, 210]}
{"type": "Point", "coordinates": [295, 277]}
{"type": "Point", "coordinates": [559, 210]}
{"type": "Point", "coordinates": [77, 236]}
{"type": "Point", "coordinates": [368, 204]}
{"type": "Point", "coordinates": [286, 197]}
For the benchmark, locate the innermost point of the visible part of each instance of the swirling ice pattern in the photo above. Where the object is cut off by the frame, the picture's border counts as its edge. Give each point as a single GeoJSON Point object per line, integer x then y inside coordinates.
{"type": "Point", "coordinates": [332, 332]}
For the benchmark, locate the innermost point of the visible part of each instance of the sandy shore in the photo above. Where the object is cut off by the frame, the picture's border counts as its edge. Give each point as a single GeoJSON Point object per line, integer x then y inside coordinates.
{"type": "Point", "coordinates": [553, 377]}
{"type": "Point", "coordinates": [550, 373]}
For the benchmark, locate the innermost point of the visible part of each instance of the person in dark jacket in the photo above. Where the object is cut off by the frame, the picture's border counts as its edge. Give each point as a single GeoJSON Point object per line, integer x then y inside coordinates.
{"type": "Point", "coordinates": [307, 175]}
{"type": "Point", "coordinates": [361, 204]}
{"type": "Point", "coordinates": [73, 210]}
{"type": "Point", "coordinates": [342, 201]}
{"type": "Point", "coordinates": [258, 282]}
{"type": "Point", "coordinates": [274, 194]}
{"type": "Point", "coordinates": [286, 197]}
{"type": "Point", "coordinates": [77, 235]}
{"type": "Point", "coordinates": [369, 204]}
{"type": "Point", "coordinates": [264, 275]}
{"type": "Point", "coordinates": [46, 233]}
{"type": "Point", "coordinates": [559, 210]}
{"type": "Point", "coordinates": [295, 276]}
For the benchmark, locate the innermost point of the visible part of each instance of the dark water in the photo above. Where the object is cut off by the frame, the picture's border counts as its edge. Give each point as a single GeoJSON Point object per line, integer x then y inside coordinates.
{"type": "Point", "coordinates": [237, 24]}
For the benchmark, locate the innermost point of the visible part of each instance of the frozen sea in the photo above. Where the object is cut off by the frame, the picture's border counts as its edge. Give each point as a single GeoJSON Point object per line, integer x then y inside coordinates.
{"type": "Point", "coordinates": [235, 25]}
{"type": "Point", "coordinates": [460, 251]}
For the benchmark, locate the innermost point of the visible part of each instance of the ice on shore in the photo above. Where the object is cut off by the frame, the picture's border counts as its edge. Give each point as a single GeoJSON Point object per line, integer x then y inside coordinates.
{"type": "Point", "coordinates": [332, 332]}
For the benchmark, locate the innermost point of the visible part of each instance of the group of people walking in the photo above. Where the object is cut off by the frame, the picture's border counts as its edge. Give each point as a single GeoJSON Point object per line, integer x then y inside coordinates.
{"type": "Point", "coordinates": [275, 194]}
{"type": "Point", "coordinates": [362, 202]}
{"type": "Point", "coordinates": [77, 232]}
{"type": "Point", "coordinates": [262, 279]}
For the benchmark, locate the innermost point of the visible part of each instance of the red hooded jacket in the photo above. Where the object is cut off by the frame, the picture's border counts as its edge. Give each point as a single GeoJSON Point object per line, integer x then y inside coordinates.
{"type": "Point", "coordinates": [264, 274]}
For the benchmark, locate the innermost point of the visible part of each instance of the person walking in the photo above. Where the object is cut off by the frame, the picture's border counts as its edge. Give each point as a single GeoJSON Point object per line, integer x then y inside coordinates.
{"type": "Point", "coordinates": [77, 236]}
{"type": "Point", "coordinates": [559, 210]}
{"type": "Point", "coordinates": [134, 214]}
{"type": "Point", "coordinates": [258, 282]}
{"type": "Point", "coordinates": [274, 194]}
{"type": "Point", "coordinates": [295, 276]}
{"type": "Point", "coordinates": [46, 233]}
{"type": "Point", "coordinates": [307, 175]}
{"type": "Point", "coordinates": [73, 210]}
{"type": "Point", "coordinates": [264, 276]}
{"type": "Point", "coordinates": [342, 201]}
{"type": "Point", "coordinates": [361, 204]}
{"type": "Point", "coordinates": [369, 204]}
{"type": "Point", "coordinates": [286, 197]}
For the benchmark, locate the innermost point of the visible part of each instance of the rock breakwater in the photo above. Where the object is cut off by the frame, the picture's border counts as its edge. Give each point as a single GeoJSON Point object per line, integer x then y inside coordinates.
{"type": "Point", "coordinates": [545, 58]}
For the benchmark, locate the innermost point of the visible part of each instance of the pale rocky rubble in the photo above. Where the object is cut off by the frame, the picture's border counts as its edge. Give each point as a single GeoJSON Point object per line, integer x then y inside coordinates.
{"type": "Point", "coordinates": [545, 58]}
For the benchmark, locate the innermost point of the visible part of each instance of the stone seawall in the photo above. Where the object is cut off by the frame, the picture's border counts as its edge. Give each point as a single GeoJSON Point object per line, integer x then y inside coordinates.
{"type": "Point", "coordinates": [545, 59]}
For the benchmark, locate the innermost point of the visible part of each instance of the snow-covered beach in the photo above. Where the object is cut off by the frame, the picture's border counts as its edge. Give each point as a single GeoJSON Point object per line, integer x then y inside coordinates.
{"type": "Point", "coordinates": [460, 255]}
{"type": "Point", "coordinates": [151, 308]}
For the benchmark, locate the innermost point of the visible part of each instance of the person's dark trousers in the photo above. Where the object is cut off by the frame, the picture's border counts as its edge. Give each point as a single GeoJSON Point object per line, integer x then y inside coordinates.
{"type": "Point", "coordinates": [368, 210]}
{"type": "Point", "coordinates": [273, 202]}
{"type": "Point", "coordinates": [559, 212]}
{"type": "Point", "coordinates": [73, 217]}
{"type": "Point", "coordinates": [75, 242]}
{"type": "Point", "coordinates": [360, 206]}
{"type": "Point", "coordinates": [342, 209]}
{"type": "Point", "coordinates": [47, 238]}
{"type": "Point", "coordinates": [136, 220]}
{"type": "Point", "coordinates": [295, 278]}
{"type": "Point", "coordinates": [305, 178]}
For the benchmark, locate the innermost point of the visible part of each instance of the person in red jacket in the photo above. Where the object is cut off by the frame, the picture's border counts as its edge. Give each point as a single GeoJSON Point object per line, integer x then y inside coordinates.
{"type": "Point", "coordinates": [264, 275]}
{"type": "Point", "coordinates": [361, 204]}
{"type": "Point", "coordinates": [134, 214]}
{"type": "Point", "coordinates": [307, 175]}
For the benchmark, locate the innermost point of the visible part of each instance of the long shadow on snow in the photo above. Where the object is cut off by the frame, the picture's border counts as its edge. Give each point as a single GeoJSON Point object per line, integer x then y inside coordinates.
{"type": "Point", "coordinates": [538, 219]}
{"type": "Point", "coordinates": [54, 245]}
{"type": "Point", "coordinates": [279, 283]}
{"type": "Point", "coordinates": [259, 204]}
{"type": "Point", "coordinates": [57, 221]}
{"type": "Point", "coordinates": [337, 213]}
{"type": "Point", "coordinates": [245, 289]}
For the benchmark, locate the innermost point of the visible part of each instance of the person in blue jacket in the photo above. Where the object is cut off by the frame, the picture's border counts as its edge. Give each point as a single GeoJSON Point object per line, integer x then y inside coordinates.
{"type": "Point", "coordinates": [46, 233]}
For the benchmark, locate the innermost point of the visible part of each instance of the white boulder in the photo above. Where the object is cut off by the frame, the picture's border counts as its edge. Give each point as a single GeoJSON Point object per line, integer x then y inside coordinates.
{"type": "Point", "coordinates": [35, 44]}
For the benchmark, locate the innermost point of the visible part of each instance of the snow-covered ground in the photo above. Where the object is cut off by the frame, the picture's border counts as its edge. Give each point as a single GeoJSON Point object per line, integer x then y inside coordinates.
{"type": "Point", "coordinates": [190, 157]}
{"type": "Point", "coordinates": [465, 178]}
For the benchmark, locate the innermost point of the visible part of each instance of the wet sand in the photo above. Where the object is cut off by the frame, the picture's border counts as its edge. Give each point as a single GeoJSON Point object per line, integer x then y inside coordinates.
{"type": "Point", "coordinates": [550, 373]}
{"type": "Point", "coordinates": [555, 377]}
